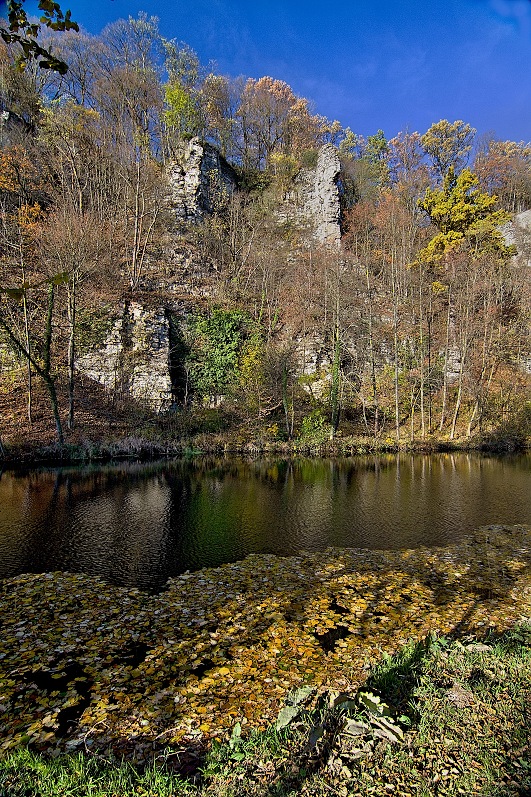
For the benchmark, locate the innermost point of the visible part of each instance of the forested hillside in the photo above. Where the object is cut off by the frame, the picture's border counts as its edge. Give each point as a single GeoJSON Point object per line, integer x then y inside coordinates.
{"type": "Point", "coordinates": [173, 269]}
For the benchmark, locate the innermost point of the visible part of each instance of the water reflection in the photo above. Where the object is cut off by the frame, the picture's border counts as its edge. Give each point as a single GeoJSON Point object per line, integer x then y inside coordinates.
{"type": "Point", "coordinates": [138, 524]}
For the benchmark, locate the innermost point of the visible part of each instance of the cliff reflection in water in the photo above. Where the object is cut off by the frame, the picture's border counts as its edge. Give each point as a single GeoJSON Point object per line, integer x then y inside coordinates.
{"type": "Point", "coordinates": [138, 524]}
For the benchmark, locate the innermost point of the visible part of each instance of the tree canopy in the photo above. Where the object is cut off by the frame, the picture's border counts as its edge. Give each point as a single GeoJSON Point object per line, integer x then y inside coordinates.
{"type": "Point", "coordinates": [463, 214]}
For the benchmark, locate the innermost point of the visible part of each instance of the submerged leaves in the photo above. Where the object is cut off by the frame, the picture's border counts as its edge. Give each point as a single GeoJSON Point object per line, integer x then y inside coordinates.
{"type": "Point", "coordinates": [87, 664]}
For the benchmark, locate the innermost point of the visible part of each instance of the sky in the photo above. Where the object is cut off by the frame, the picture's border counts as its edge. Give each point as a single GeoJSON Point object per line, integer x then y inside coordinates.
{"type": "Point", "coordinates": [394, 65]}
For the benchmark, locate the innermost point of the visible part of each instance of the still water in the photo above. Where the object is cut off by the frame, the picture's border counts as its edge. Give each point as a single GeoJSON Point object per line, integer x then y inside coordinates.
{"type": "Point", "coordinates": [139, 524]}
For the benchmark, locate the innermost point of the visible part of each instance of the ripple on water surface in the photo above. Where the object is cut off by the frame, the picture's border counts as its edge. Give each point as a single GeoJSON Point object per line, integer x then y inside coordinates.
{"type": "Point", "coordinates": [140, 524]}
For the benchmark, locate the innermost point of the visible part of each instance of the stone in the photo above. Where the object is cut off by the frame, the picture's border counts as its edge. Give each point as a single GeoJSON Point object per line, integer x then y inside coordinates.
{"type": "Point", "coordinates": [134, 360]}
{"type": "Point", "coordinates": [315, 198]}
{"type": "Point", "coordinates": [518, 233]}
{"type": "Point", "coordinates": [199, 179]}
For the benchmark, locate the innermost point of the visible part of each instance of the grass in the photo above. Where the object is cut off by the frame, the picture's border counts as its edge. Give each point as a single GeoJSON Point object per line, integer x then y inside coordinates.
{"type": "Point", "coordinates": [27, 774]}
{"type": "Point", "coordinates": [464, 708]}
{"type": "Point", "coordinates": [471, 712]}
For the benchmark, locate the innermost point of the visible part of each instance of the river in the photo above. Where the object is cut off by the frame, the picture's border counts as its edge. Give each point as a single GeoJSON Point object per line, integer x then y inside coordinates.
{"type": "Point", "coordinates": [136, 524]}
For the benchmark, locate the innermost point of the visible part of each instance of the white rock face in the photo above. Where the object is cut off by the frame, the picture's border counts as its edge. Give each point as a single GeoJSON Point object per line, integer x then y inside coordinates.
{"type": "Point", "coordinates": [199, 178]}
{"type": "Point", "coordinates": [134, 360]}
{"type": "Point", "coordinates": [316, 197]}
{"type": "Point", "coordinates": [522, 236]}
{"type": "Point", "coordinates": [324, 202]}
{"type": "Point", "coordinates": [518, 233]}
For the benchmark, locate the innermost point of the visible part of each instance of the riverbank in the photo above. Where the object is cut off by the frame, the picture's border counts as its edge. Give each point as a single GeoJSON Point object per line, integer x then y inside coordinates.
{"type": "Point", "coordinates": [104, 432]}
{"type": "Point", "coordinates": [139, 449]}
{"type": "Point", "coordinates": [449, 716]}
{"type": "Point", "coordinates": [209, 663]}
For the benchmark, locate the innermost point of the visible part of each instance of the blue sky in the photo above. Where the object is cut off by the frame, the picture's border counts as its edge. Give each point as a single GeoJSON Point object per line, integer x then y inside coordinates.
{"type": "Point", "coordinates": [389, 64]}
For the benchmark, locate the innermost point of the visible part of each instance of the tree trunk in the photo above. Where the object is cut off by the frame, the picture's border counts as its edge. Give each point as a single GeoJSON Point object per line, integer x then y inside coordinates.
{"type": "Point", "coordinates": [430, 322]}
{"type": "Point", "coordinates": [28, 346]}
{"type": "Point", "coordinates": [460, 383]}
{"type": "Point", "coordinates": [336, 377]}
{"type": "Point", "coordinates": [445, 367]}
{"type": "Point", "coordinates": [46, 372]}
{"type": "Point", "coordinates": [421, 360]}
{"type": "Point", "coordinates": [71, 347]}
{"type": "Point", "coordinates": [457, 404]}
{"type": "Point", "coordinates": [50, 385]}
{"type": "Point", "coordinates": [371, 355]}
{"type": "Point", "coordinates": [41, 370]}
{"type": "Point", "coordinates": [395, 346]}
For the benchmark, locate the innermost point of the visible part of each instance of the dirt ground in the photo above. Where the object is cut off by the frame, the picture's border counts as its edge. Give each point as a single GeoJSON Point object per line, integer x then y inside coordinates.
{"type": "Point", "coordinates": [97, 417]}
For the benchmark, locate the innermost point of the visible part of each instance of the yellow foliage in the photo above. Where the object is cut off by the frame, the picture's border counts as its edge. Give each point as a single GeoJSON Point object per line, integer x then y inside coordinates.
{"type": "Point", "coordinates": [465, 216]}
{"type": "Point", "coordinates": [16, 170]}
{"type": "Point", "coordinates": [225, 645]}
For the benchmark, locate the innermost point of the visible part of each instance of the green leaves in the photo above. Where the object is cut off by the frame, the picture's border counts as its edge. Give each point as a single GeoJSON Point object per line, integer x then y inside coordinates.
{"type": "Point", "coordinates": [294, 707]}
{"type": "Point", "coordinates": [24, 33]}
{"type": "Point", "coordinates": [465, 216]}
{"type": "Point", "coordinates": [214, 359]}
{"type": "Point", "coordinates": [17, 294]}
{"type": "Point", "coordinates": [182, 113]}
{"type": "Point", "coordinates": [62, 278]}
{"type": "Point", "coordinates": [374, 704]}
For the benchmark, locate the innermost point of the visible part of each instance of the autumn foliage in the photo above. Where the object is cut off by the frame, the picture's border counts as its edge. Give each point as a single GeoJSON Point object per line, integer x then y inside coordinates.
{"type": "Point", "coordinates": [414, 327]}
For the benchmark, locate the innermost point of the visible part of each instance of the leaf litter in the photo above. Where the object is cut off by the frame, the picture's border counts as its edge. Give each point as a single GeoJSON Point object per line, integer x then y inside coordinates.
{"type": "Point", "coordinates": [88, 665]}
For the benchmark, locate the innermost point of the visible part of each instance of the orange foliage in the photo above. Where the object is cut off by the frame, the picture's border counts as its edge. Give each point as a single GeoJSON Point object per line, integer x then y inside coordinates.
{"type": "Point", "coordinates": [504, 168]}
{"type": "Point", "coordinates": [274, 119]}
{"type": "Point", "coordinates": [17, 173]}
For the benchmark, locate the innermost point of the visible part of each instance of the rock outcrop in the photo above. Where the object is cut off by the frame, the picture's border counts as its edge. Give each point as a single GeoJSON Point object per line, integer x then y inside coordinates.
{"type": "Point", "coordinates": [134, 360]}
{"type": "Point", "coordinates": [199, 179]}
{"type": "Point", "coordinates": [315, 198]}
{"type": "Point", "coordinates": [138, 357]}
{"type": "Point", "coordinates": [520, 236]}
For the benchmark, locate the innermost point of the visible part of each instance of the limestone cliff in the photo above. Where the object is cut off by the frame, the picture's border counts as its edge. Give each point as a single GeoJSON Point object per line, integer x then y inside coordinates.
{"type": "Point", "coordinates": [317, 197]}
{"type": "Point", "coordinates": [134, 360]}
{"type": "Point", "coordinates": [198, 179]}
{"type": "Point", "coordinates": [519, 234]}
{"type": "Point", "coordinates": [137, 358]}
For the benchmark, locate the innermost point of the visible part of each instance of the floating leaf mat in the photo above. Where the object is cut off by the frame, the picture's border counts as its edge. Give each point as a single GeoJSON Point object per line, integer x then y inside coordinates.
{"type": "Point", "coordinates": [84, 664]}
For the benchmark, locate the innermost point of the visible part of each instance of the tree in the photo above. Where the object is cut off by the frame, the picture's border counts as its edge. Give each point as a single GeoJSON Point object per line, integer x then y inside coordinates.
{"type": "Point", "coordinates": [360, 243]}
{"type": "Point", "coordinates": [128, 92]}
{"type": "Point", "coordinates": [409, 174]}
{"type": "Point", "coordinates": [504, 168]}
{"type": "Point", "coordinates": [468, 237]}
{"type": "Point", "coordinates": [364, 166]}
{"type": "Point", "coordinates": [220, 97]}
{"type": "Point", "coordinates": [448, 144]}
{"type": "Point", "coordinates": [41, 365]}
{"type": "Point", "coordinates": [464, 215]}
{"type": "Point", "coordinates": [182, 114]}
{"type": "Point", "coordinates": [84, 54]}
{"type": "Point", "coordinates": [19, 100]}
{"type": "Point", "coordinates": [273, 119]}
{"type": "Point", "coordinates": [73, 241]}
{"type": "Point", "coordinates": [17, 248]}
{"type": "Point", "coordinates": [22, 31]}
{"type": "Point", "coordinates": [214, 353]}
